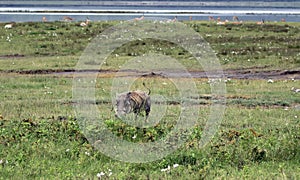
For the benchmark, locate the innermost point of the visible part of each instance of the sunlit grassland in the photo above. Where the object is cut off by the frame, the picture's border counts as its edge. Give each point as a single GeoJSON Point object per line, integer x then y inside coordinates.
{"type": "Point", "coordinates": [39, 63]}
{"type": "Point", "coordinates": [26, 94]}
{"type": "Point", "coordinates": [250, 45]}
{"type": "Point", "coordinates": [40, 135]}
{"type": "Point", "coordinates": [270, 46]}
{"type": "Point", "coordinates": [43, 139]}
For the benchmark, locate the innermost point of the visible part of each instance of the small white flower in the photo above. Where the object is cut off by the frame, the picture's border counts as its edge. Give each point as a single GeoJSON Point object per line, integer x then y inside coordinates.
{"type": "Point", "coordinates": [175, 165]}
{"type": "Point", "coordinates": [100, 174]}
{"type": "Point", "coordinates": [87, 153]}
{"type": "Point", "coordinates": [133, 137]}
{"type": "Point", "coordinates": [2, 161]}
{"type": "Point", "coordinates": [227, 80]}
{"type": "Point", "coordinates": [67, 150]}
{"type": "Point", "coordinates": [270, 81]}
{"type": "Point", "coordinates": [166, 169]}
{"type": "Point", "coordinates": [295, 89]}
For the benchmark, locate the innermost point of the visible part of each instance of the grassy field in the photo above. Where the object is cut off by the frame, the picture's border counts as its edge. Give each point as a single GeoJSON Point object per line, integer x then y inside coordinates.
{"type": "Point", "coordinates": [40, 136]}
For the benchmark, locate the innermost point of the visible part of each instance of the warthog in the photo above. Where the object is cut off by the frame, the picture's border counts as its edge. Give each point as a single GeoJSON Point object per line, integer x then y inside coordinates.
{"type": "Point", "coordinates": [133, 101]}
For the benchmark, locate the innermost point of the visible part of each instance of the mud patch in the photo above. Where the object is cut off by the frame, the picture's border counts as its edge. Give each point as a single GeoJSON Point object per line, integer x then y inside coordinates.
{"type": "Point", "coordinates": [233, 74]}
{"type": "Point", "coordinates": [11, 56]}
{"type": "Point", "coordinates": [271, 74]}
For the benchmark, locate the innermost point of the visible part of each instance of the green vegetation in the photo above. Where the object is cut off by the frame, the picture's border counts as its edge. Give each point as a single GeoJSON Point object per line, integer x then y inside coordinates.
{"type": "Point", "coordinates": [57, 45]}
{"type": "Point", "coordinates": [40, 136]}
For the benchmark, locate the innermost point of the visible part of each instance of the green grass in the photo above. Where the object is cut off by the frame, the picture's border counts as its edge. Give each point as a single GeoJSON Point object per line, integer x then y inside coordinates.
{"type": "Point", "coordinates": [253, 46]}
{"type": "Point", "coordinates": [56, 148]}
{"type": "Point", "coordinates": [40, 136]}
{"type": "Point", "coordinates": [270, 46]}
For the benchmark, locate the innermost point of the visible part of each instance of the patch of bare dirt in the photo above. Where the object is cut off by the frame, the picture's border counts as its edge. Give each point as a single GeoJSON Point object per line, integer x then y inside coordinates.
{"type": "Point", "coordinates": [270, 74]}
{"type": "Point", "coordinates": [8, 56]}
{"type": "Point", "coordinates": [233, 74]}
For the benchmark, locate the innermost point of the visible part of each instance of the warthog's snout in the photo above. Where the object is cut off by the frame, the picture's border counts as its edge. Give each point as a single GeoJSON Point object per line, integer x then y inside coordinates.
{"type": "Point", "coordinates": [120, 112]}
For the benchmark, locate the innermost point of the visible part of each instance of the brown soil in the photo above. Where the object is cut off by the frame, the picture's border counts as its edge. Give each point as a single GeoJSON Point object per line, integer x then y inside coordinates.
{"type": "Point", "coordinates": [11, 56]}
{"type": "Point", "coordinates": [234, 74]}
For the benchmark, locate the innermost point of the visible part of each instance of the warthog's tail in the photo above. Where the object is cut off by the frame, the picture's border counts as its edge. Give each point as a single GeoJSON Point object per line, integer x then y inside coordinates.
{"type": "Point", "coordinates": [149, 90]}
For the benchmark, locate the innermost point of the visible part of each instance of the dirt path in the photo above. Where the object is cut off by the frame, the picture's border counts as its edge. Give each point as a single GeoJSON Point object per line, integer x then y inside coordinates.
{"type": "Point", "coordinates": [234, 74]}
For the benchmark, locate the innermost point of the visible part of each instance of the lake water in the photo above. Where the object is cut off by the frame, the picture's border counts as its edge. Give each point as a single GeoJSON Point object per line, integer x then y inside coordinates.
{"type": "Point", "coordinates": [255, 10]}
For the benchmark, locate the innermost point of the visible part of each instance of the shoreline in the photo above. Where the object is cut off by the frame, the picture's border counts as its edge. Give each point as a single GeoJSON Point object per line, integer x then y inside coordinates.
{"type": "Point", "coordinates": [157, 3]}
{"type": "Point", "coordinates": [121, 11]}
{"type": "Point", "coordinates": [128, 15]}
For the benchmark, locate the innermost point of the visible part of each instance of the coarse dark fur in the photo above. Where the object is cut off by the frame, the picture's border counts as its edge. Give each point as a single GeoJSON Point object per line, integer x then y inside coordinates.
{"type": "Point", "coordinates": [134, 101]}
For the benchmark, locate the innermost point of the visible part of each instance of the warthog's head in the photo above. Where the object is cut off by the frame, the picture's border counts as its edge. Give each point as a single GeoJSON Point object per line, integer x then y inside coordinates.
{"type": "Point", "coordinates": [122, 104]}
{"type": "Point", "coordinates": [133, 101]}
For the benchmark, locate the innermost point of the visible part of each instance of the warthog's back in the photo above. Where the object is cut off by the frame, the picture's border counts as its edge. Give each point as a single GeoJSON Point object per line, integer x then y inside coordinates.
{"type": "Point", "coordinates": [138, 97]}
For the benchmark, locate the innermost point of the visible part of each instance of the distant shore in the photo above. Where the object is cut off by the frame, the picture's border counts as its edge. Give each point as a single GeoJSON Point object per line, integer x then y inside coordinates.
{"type": "Point", "coordinates": [34, 10]}
{"type": "Point", "coordinates": [240, 3]}
{"type": "Point", "coordinates": [127, 15]}
{"type": "Point", "coordinates": [169, 11]}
